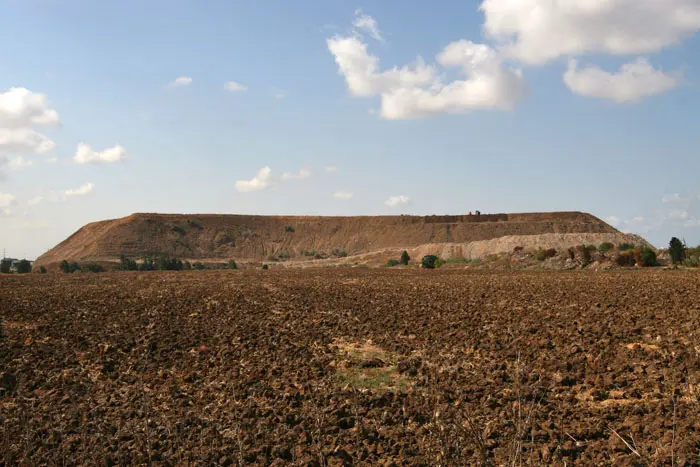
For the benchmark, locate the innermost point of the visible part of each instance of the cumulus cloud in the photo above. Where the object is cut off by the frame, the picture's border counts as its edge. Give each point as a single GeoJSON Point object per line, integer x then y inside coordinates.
{"type": "Point", "coordinates": [671, 198]}
{"type": "Point", "coordinates": [82, 191]}
{"type": "Point", "coordinates": [394, 201]}
{"type": "Point", "coordinates": [259, 182]}
{"type": "Point", "coordinates": [368, 24]}
{"type": "Point", "coordinates": [537, 31]}
{"type": "Point", "coordinates": [342, 195]}
{"type": "Point", "coordinates": [631, 83]}
{"type": "Point", "coordinates": [22, 108]}
{"type": "Point", "coordinates": [416, 90]}
{"type": "Point", "coordinates": [20, 162]}
{"type": "Point", "coordinates": [235, 87]}
{"type": "Point", "coordinates": [20, 111]}
{"type": "Point", "coordinates": [86, 155]}
{"type": "Point", "coordinates": [303, 173]}
{"type": "Point", "coordinates": [24, 141]}
{"type": "Point", "coordinates": [36, 200]}
{"type": "Point", "coordinates": [181, 81]}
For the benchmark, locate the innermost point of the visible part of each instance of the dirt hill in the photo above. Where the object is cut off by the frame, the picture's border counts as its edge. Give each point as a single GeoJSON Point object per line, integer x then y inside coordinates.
{"type": "Point", "coordinates": [260, 237]}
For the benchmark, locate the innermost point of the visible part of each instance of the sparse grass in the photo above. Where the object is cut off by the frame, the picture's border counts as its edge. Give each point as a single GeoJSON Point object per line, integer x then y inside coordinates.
{"type": "Point", "coordinates": [366, 366]}
{"type": "Point", "coordinates": [462, 261]}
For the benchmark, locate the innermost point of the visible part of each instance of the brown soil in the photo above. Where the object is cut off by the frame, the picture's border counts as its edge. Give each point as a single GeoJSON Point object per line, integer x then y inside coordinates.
{"type": "Point", "coordinates": [259, 237]}
{"type": "Point", "coordinates": [351, 367]}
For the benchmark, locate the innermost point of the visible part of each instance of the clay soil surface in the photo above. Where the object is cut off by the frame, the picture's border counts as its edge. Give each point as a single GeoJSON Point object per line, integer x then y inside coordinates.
{"type": "Point", "coordinates": [351, 367]}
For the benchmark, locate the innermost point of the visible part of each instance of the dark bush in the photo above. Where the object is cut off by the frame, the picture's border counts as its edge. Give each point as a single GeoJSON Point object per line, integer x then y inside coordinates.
{"type": "Point", "coordinates": [166, 263]}
{"type": "Point", "coordinates": [94, 267]}
{"type": "Point", "coordinates": [5, 266]}
{"type": "Point", "coordinates": [542, 255]}
{"type": "Point", "coordinates": [605, 246]}
{"type": "Point", "coordinates": [64, 267]}
{"type": "Point", "coordinates": [676, 249]}
{"type": "Point", "coordinates": [24, 267]}
{"type": "Point", "coordinates": [265, 267]}
{"type": "Point", "coordinates": [646, 257]}
{"type": "Point", "coordinates": [430, 262]}
{"type": "Point", "coordinates": [318, 256]}
{"type": "Point", "coordinates": [194, 224]}
{"type": "Point", "coordinates": [198, 266]}
{"type": "Point", "coordinates": [232, 265]}
{"type": "Point", "coordinates": [42, 270]}
{"type": "Point", "coordinates": [339, 252]}
{"type": "Point", "coordinates": [572, 253]}
{"type": "Point", "coordinates": [405, 258]}
{"type": "Point", "coordinates": [289, 228]}
{"type": "Point", "coordinates": [284, 254]}
{"type": "Point", "coordinates": [147, 264]}
{"type": "Point", "coordinates": [308, 252]}
{"type": "Point", "coordinates": [584, 253]}
{"type": "Point", "coordinates": [127, 264]}
{"type": "Point", "coordinates": [187, 266]}
{"type": "Point", "coordinates": [393, 262]}
{"type": "Point", "coordinates": [178, 229]}
{"type": "Point", "coordinates": [625, 246]}
{"type": "Point", "coordinates": [625, 259]}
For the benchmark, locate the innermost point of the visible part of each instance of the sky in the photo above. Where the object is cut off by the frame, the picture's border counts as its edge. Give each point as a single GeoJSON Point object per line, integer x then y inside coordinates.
{"type": "Point", "coordinates": [348, 108]}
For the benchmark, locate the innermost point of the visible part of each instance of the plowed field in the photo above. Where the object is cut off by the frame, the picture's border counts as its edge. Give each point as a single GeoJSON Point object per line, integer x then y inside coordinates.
{"type": "Point", "coordinates": [351, 367]}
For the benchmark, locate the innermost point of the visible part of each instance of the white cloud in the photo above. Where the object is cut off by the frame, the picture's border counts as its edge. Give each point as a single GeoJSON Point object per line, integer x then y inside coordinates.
{"type": "Point", "coordinates": [235, 87]}
{"type": "Point", "coordinates": [181, 81]}
{"type": "Point", "coordinates": [537, 31]}
{"type": "Point", "coordinates": [279, 93]}
{"type": "Point", "coordinates": [394, 201]}
{"type": "Point", "coordinates": [678, 215]}
{"type": "Point", "coordinates": [368, 24]}
{"type": "Point", "coordinates": [83, 190]}
{"type": "Point", "coordinates": [342, 195]}
{"type": "Point", "coordinates": [24, 141]}
{"type": "Point", "coordinates": [7, 200]}
{"type": "Point", "coordinates": [22, 108]}
{"type": "Point", "coordinates": [633, 82]}
{"type": "Point", "coordinates": [613, 220]}
{"type": "Point", "coordinates": [672, 198]}
{"type": "Point", "coordinates": [36, 200]}
{"type": "Point", "coordinates": [52, 160]}
{"type": "Point", "coordinates": [303, 173]}
{"type": "Point", "coordinates": [692, 223]}
{"type": "Point", "coordinates": [416, 90]}
{"type": "Point", "coordinates": [259, 182]}
{"type": "Point", "coordinates": [20, 162]}
{"type": "Point", "coordinates": [331, 170]}
{"type": "Point", "coordinates": [86, 155]}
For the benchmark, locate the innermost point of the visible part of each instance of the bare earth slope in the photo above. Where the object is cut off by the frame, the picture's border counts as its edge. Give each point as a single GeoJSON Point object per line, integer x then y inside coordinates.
{"type": "Point", "coordinates": [255, 237]}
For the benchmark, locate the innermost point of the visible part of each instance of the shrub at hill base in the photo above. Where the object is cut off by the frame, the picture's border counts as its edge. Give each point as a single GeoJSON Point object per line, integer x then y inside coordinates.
{"type": "Point", "coordinates": [645, 257]}
{"type": "Point", "coordinates": [405, 258]}
{"type": "Point", "coordinates": [430, 262]}
{"type": "Point", "coordinates": [392, 262]}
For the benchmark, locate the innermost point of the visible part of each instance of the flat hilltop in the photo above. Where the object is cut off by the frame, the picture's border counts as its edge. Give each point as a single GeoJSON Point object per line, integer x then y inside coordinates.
{"type": "Point", "coordinates": [303, 238]}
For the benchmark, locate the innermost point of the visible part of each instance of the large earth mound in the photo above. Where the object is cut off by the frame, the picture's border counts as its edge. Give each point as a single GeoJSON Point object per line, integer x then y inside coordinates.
{"type": "Point", "coordinates": [243, 237]}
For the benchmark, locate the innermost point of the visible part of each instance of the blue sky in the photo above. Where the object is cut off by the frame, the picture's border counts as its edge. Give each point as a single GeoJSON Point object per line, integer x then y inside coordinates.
{"type": "Point", "coordinates": [533, 107]}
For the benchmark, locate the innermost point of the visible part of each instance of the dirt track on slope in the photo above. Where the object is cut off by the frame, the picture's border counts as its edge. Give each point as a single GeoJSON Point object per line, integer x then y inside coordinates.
{"type": "Point", "coordinates": [350, 367]}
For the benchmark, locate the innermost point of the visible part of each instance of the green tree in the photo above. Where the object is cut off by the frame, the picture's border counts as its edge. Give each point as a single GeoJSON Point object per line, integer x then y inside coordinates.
{"type": "Point", "coordinates": [605, 246]}
{"type": "Point", "coordinates": [42, 270]}
{"type": "Point", "coordinates": [24, 267]}
{"type": "Point", "coordinates": [405, 258]}
{"type": "Point", "coordinates": [147, 264]}
{"type": "Point", "coordinates": [94, 267]}
{"type": "Point", "coordinates": [127, 264]}
{"type": "Point", "coordinates": [5, 266]}
{"type": "Point", "coordinates": [430, 262]}
{"type": "Point", "coordinates": [64, 266]}
{"type": "Point", "coordinates": [676, 249]}
{"type": "Point", "coordinates": [232, 265]}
